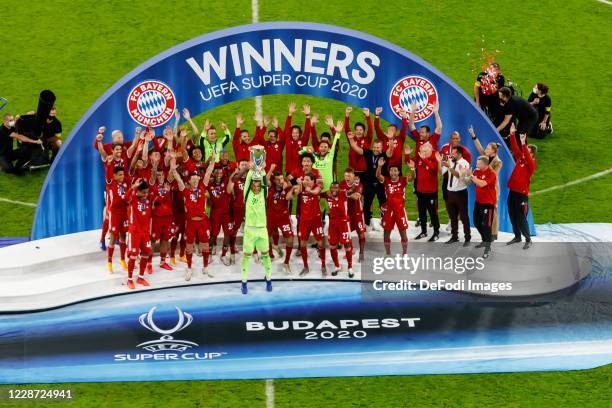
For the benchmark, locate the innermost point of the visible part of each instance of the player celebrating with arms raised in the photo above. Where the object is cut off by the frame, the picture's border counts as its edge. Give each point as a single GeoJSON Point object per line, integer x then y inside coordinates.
{"type": "Point", "coordinates": [395, 212]}
{"type": "Point", "coordinates": [197, 225]}
{"type": "Point", "coordinates": [308, 190]}
{"type": "Point", "coordinates": [139, 229]}
{"type": "Point", "coordinates": [255, 225]}
{"type": "Point", "coordinates": [279, 216]}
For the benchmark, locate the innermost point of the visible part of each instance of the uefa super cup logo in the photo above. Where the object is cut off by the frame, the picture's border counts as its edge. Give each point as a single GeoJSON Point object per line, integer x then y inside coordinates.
{"type": "Point", "coordinates": [166, 342]}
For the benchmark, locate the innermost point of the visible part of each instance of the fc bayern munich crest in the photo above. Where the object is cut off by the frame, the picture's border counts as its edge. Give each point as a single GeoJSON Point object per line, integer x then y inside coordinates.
{"type": "Point", "coordinates": [413, 89]}
{"type": "Point", "coordinates": [151, 103]}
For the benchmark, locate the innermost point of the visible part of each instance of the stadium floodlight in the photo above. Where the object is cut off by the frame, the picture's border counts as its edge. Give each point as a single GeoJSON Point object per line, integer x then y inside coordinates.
{"type": "Point", "coordinates": [3, 102]}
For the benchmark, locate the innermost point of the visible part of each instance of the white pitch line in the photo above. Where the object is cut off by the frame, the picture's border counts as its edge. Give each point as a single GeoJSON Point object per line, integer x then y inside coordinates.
{"type": "Point", "coordinates": [258, 108]}
{"type": "Point", "coordinates": [609, 3]}
{"type": "Point", "coordinates": [6, 200]}
{"type": "Point", "coordinates": [269, 393]}
{"type": "Point", "coordinates": [574, 182]}
{"type": "Point", "coordinates": [255, 18]}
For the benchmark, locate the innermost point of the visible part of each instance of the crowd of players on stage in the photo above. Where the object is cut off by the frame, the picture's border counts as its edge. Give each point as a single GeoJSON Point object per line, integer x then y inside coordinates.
{"type": "Point", "coordinates": [157, 187]}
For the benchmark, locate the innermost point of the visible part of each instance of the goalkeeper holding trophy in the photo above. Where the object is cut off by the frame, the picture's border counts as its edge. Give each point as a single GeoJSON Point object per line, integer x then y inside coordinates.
{"type": "Point", "coordinates": [255, 222]}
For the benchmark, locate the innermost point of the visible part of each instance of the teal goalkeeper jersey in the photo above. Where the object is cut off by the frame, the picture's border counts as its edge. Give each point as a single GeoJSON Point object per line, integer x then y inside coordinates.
{"type": "Point", "coordinates": [254, 204]}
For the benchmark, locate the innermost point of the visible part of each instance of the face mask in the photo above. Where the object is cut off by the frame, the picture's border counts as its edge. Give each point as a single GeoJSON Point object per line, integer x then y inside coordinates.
{"type": "Point", "coordinates": [11, 123]}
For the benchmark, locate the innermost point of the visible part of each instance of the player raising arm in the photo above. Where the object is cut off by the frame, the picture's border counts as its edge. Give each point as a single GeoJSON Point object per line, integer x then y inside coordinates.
{"type": "Point", "coordinates": [308, 192]}
{"type": "Point", "coordinates": [255, 226]}
{"type": "Point", "coordinates": [395, 212]}
{"type": "Point", "coordinates": [279, 217]}
{"type": "Point", "coordinates": [197, 225]}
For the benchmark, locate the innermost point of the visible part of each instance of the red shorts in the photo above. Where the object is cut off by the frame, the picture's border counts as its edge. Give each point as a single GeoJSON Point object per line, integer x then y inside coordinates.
{"type": "Point", "coordinates": [357, 223]}
{"type": "Point", "coordinates": [199, 230]}
{"type": "Point", "coordinates": [282, 223]}
{"type": "Point", "coordinates": [339, 233]}
{"type": "Point", "coordinates": [394, 216]}
{"type": "Point", "coordinates": [221, 220]}
{"type": "Point", "coordinates": [314, 226]}
{"type": "Point", "coordinates": [117, 221]}
{"type": "Point", "coordinates": [139, 242]}
{"type": "Point", "coordinates": [164, 228]}
{"type": "Point", "coordinates": [238, 216]}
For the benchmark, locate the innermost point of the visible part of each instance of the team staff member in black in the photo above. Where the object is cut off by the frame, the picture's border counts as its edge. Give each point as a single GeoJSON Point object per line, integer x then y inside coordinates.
{"type": "Point", "coordinates": [540, 100]}
{"type": "Point", "coordinates": [485, 91]}
{"type": "Point", "coordinates": [372, 187]}
{"type": "Point", "coordinates": [518, 184]}
{"type": "Point", "coordinates": [517, 109]}
{"type": "Point", "coordinates": [52, 133]}
{"type": "Point", "coordinates": [7, 153]}
{"type": "Point", "coordinates": [456, 199]}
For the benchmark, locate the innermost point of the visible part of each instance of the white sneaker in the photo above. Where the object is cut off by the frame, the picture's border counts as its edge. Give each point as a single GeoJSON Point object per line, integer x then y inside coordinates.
{"type": "Point", "coordinates": [206, 271]}
{"type": "Point", "coordinates": [225, 260]}
{"type": "Point", "coordinates": [335, 271]}
{"type": "Point", "coordinates": [188, 274]}
{"type": "Point", "coordinates": [279, 251]}
{"type": "Point", "coordinates": [232, 259]}
{"type": "Point", "coordinates": [287, 269]}
{"type": "Point", "coordinates": [350, 273]}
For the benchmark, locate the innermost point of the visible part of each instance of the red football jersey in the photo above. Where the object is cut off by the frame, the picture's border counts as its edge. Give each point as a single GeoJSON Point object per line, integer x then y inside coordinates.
{"type": "Point", "coordinates": [277, 201]}
{"type": "Point", "coordinates": [238, 201]}
{"type": "Point", "coordinates": [487, 194]}
{"type": "Point", "coordinates": [163, 200]}
{"type": "Point", "coordinates": [434, 138]}
{"type": "Point", "coordinates": [195, 201]}
{"type": "Point", "coordinates": [116, 193]}
{"type": "Point", "coordinates": [299, 173]}
{"type": "Point", "coordinates": [427, 174]}
{"type": "Point", "coordinates": [355, 207]}
{"type": "Point", "coordinates": [338, 207]}
{"type": "Point", "coordinates": [139, 220]}
{"type": "Point", "coordinates": [309, 206]}
{"type": "Point", "coordinates": [191, 166]}
{"type": "Point", "coordinates": [274, 153]}
{"type": "Point", "coordinates": [109, 169]}
{"type": "Point", "coordinates": [178, 202]}
{"type": "Point", "coordinates": [219, 197]}
{"type": "Point", "coordinates": [228, 168]}
{"type": "Point", "coordinates": [396, 191]}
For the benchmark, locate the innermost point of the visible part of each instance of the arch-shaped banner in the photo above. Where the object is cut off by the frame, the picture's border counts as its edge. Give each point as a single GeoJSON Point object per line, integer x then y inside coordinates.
{"type": "Point", "coordinates": [243, 62]}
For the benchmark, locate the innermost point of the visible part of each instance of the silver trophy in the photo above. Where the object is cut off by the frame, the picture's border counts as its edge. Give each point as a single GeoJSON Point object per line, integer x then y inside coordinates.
{"type": "Point", "coordinates": [258, 157]}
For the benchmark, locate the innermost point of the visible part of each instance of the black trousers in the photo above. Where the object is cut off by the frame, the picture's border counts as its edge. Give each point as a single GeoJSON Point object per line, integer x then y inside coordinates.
{"type": "Point", "coordinates": [6, 161]}
{"type": "Point", "coordinates": [457, 208]}
{"type": "Point", "coordinates": [371, 190]}
{"type": "Point", "coordinates": [483, 220]}
{"type": "Point", "coordinates": [518, 207]}
{"type": "Point", "coordinates": [490, 105]}
{"type": "Point", "coordinates": [428, 203]}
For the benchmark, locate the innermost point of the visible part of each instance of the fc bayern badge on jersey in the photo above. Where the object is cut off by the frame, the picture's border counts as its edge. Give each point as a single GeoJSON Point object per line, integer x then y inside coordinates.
{"type": "Point", "coordinates": [151, 103]}
{"type": "Point", "coordinates": [417, 89]}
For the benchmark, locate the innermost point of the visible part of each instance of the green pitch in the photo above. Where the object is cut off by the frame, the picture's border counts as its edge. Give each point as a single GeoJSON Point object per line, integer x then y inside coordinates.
{"type": "Point", "coordinates": [80, 49]}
